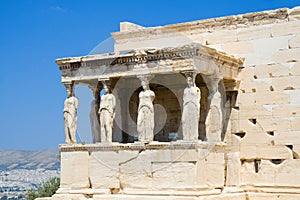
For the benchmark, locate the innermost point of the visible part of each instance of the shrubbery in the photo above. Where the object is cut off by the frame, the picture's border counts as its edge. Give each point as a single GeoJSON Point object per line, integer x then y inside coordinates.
{"type": "Point", "coordinates": [47, 189]}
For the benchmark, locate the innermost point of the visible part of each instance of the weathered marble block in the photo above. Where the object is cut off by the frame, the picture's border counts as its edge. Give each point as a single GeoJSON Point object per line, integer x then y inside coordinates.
{"type": "Point", "coordinates": [139, 167]}
{"type": "Point", "coordinates": [74, 170]}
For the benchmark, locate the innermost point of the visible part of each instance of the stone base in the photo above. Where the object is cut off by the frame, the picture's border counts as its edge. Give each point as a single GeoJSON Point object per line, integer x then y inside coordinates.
{"type": "Point", "coordinates": [159, 170]}
{"type": "Point", "coordinates": [205, 195]}
{"type": "Point", "coordinates": [147, 167]}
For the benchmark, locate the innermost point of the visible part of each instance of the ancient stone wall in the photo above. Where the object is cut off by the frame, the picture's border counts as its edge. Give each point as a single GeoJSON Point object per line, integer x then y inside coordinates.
{"type": "Point", "coordinates": [178, 168]}
{"type": "Point", "coordinates": [259, 158]}
{"type": "Point", "coordinates": [264, 130]}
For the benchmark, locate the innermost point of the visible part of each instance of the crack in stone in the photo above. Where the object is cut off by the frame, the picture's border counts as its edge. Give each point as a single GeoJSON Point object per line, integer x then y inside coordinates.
{"type": "Point", "coordinates": [131, 159]}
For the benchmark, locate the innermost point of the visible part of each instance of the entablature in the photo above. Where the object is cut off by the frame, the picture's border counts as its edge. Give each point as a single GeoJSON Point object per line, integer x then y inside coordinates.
{"type": "Point", "coordinates": [195, 57]}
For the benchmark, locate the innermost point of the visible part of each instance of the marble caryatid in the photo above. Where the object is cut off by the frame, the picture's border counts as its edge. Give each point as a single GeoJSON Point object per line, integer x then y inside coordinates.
{"type": "Point", "coordinates": [107, 113]}
{"type": "Point", "coordinates": [94, 121]}
{"type": "Point", "coordinates": [145, 119]}
{"type": "Point", "coordinates": [191, 108]}
{"type": "Point", "coordinates": [214, 118]}
{"type": "Point", "coordinates": [70, 115]}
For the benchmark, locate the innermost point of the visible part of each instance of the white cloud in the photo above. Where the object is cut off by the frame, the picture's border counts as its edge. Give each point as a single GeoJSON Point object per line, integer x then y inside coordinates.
{"type": "Point", "coordinates": [58, 8]}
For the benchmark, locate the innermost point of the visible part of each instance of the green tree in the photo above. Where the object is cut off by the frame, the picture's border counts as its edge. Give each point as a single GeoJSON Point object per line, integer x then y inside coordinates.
{"type": "Point", "coordinates": [47, 189]}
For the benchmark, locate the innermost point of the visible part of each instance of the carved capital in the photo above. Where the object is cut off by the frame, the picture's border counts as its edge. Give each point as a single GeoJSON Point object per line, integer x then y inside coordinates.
{"type": "Point", "coordinates": [190, 74]}
{"type": "Point", "coordinates": [145, 78]}
{"type": "Point", "coordinates": [212, 83]}
{"type": "Point", "coordinates": [69, 88]}
{"type": "Point", "coordinates": [104, 81]}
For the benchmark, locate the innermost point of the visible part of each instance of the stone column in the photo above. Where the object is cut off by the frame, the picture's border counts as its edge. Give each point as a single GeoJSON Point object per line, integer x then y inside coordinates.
{"type": "Point", "coordinates": [107, 112]}
{"type": "Point", "coordinates": [191, 108]}
{"type": "Point", "coordinates": [145, 119]}
{"type": "Point", "coordinates": [214, 119]}
{"type": "Point", "coordinates": [70, 114]}
{"type": "Point", "coordinates": [94, 116]}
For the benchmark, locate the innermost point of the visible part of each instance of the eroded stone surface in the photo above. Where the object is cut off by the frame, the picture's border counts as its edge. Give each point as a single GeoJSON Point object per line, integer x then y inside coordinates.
{"type": "Point", "coordinates": [74, 170]}
{"type": "Point", "coordinates": [148, 169]}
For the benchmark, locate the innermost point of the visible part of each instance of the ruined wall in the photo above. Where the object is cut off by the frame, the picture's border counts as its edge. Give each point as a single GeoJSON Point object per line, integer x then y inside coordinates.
{"type": "Point", "coordinates": [264, 130]}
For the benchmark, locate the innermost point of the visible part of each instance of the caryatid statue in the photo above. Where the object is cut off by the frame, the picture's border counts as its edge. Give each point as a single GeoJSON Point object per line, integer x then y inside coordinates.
{"type": "Point", "coordinates": [107, 113]}
{"type": "Point", "coordinates": [94, 116]}
{"type": "Point", "coordinates": [70, 114]}
{"type": "Point", "coordinates": [191, 108]}
{"type": "Point", "coordinates": [214, 119]}
{"type": "Point", "coordinates": [145, 119]}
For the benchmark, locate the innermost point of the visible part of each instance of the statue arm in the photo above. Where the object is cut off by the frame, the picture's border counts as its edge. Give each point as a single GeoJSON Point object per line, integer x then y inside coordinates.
{"type": "Point", "coordinates": [152, 95]}
{"type": "Point", "coordinates": [113, 101]}
{"type": "Point", "coordinates": [76, 102]}
{"type": "Point", "coordinates": [66, 105]}
{"type": "Point", "coordinates": [185, 94]}
{"type": "Point", "coordinates": [139, 121]}
{"type": "Point", "coordinates": [99, 110]}
{"type": "Point", "coordinates": [199, 91]}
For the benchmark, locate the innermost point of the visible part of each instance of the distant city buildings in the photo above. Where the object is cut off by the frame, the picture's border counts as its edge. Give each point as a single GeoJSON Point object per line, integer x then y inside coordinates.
{"type": "Point", "coordinates": [15, 183]}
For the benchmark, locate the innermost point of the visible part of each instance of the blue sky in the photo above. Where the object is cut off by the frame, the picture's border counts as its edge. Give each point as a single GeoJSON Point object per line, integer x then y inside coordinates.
{"type": "Point", "coordinates": [33, 33]}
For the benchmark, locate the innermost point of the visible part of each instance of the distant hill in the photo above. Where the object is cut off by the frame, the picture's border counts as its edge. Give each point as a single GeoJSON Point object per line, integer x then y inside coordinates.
{"type": "Point", "coordinates": [15, 159]}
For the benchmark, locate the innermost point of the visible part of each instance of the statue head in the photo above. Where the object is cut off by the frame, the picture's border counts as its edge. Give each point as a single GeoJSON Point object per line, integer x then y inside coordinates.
{"type": "Point", "coordinates": [70, 89]}
{"type": "Point", "coordinates": [190, 78]}
{"type": "Point", "coordinates": [216, 98]}
{"type": "Point", "coordinates": [190, 81]}
{"type": "Point", "coordinates": [145, 84]}
{"type": "Point", "coordinates": [106, 86]}
{"type": "Point", "coordinates": [69, 92]}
